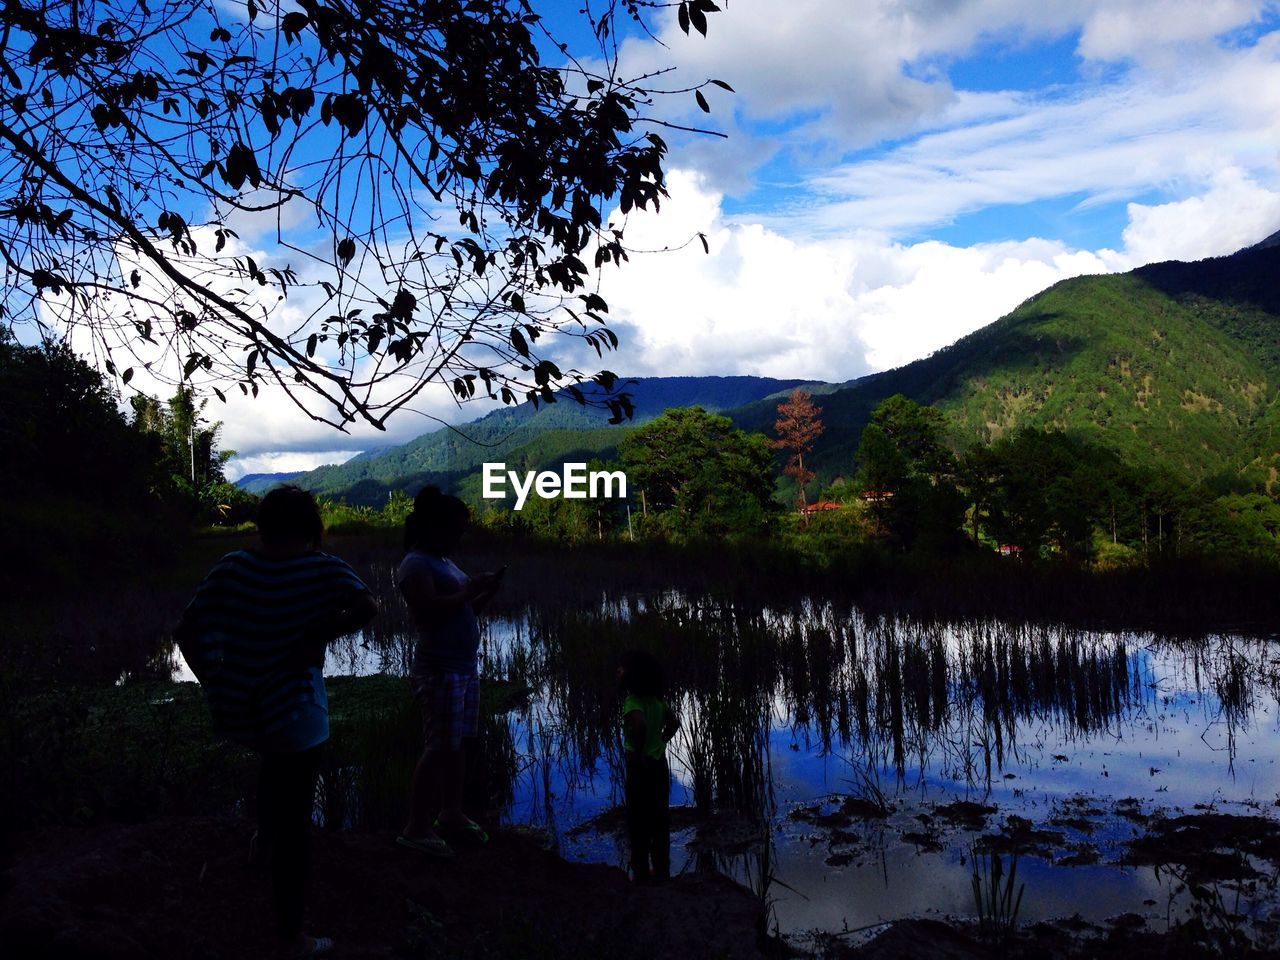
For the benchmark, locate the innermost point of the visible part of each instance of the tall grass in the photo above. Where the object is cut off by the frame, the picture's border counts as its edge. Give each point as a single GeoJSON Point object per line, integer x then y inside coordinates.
{"type": "Point", "coordinates": [997, 896]}
{"type": "Point", "coordinates": [124, 752]}
{"type": "Point", "coordinates": [375, 743]}
{"type": "Point", "coordinates": [890, 693]}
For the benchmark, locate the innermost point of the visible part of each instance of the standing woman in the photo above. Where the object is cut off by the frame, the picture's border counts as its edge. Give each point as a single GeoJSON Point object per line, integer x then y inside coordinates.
{"type": "Point", "coordinates": [443, 601]}
{"type": "Point", "coordinates": [255, 636]}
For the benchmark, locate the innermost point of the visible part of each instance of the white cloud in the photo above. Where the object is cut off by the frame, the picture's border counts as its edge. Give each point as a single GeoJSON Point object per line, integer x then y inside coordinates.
{"type": "Point", "coordinates": [837, 307]}
{"type": "Point", "coordinates": [814, 84]}
{"type": "Point", "coordinates": [1105, 143]}
{"type": "Point", "coordinates": [858, 73]}
{"type": "Point", "coordinates": [804, 57]}
{"type": "Point", "coordinates": [1146, 29]}
{"type": "Point", "coordinates": [286, 462]}
{"type": "Point", "coordinates": [1234, 213]}
{"type": "Point", "coordinates": [271, 423]}
{"type": "Point", "coordinates": [951, 291]}
{"type": "Point", "coordinates": [830, 308]}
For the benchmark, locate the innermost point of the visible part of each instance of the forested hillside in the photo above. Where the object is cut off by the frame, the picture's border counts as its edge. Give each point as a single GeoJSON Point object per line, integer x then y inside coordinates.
{"type": "Point", "coordinates": [1173, 366]}
{"type": "Point", "coordinates": [527, 439]}
{"type": "Point", "coordinates": [260, 483]}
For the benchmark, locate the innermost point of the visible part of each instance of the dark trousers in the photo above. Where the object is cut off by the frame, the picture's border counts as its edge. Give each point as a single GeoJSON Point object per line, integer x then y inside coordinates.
{"type": "Point", "coordinates": [286, 798]}
{"type": "Point", "coordinates": [648, 816]}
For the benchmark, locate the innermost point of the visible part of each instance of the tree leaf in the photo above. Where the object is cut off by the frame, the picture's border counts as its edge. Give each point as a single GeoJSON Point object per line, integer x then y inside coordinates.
{"type": "Point", "coordinates": [698, 18]}
{"type": "Point", "coordinates": [293, 24]}
{"type": "Point", "coordinates": [518, 341]}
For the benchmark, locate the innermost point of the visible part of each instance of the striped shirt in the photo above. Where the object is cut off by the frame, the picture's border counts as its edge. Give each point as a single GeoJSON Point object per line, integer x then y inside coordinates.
{"type": "Point", "coordinates": [251, 621]}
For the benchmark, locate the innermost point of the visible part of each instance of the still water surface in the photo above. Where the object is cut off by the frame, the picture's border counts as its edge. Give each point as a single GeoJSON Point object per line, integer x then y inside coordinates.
{"type": "Point", "coordinates": [787, 713]}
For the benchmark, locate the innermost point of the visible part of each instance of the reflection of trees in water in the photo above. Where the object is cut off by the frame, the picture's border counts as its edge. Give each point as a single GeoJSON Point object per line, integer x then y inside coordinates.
{"type": "Point", "coordinates": [1236, 671]}
{"type": "Point", "coordinates": [916, 699]}
{"type": "Point", "coordinates": [909, 697]}
{"type": "Point", "coordinates": [1003, 678]}
{"type": "Point", "coordinates": [385, 645]}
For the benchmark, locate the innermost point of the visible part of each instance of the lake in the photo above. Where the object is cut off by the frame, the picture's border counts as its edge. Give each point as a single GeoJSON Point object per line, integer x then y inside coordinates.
{"type": "Point", "coordinates": [850, 768]}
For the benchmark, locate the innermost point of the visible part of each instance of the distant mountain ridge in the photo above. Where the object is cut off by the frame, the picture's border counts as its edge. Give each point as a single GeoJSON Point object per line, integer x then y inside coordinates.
{"type": "Point", "coordinates": [1271, 241]}
{"type": "Point", "coordinates": [260, 483]}
{"type": "Point", "coordinates": [526, 438]}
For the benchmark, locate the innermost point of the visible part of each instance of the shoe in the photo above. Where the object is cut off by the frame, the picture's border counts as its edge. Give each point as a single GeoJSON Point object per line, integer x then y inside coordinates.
{"type": "Point", "coordinates": [431, 846]}
{"type": "Point", "coordinates": [470, 832]}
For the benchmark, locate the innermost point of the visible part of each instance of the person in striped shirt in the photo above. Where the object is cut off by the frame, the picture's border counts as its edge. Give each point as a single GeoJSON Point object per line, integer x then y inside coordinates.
{"type": "Point", "coordinates": [255, 635]}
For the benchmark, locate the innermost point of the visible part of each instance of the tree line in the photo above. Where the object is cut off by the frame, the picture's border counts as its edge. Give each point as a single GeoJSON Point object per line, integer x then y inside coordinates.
{"type": "Point", "coordinates": [73, 458]}
{"type": "Point", "coordinates": [1045, 493]}
{"type": "Point", "coordinates": [1032, 495]}
{"type": "Point", "coordinates": [82, 476]}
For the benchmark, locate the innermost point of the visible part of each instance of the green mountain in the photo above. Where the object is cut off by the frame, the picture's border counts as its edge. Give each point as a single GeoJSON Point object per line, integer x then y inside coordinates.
{"type": "Point", "coordinates": [260, 483]}
{"type": "Point", "coordinates": [526, 439]}
{"type": "Point", "coordinates": [1173, 365]}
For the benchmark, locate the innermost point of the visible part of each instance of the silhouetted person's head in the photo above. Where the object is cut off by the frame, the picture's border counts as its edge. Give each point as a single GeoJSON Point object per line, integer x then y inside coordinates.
{"type": "Point", "coordinates": [436, 523]}
{"type": "Point", "coordinates": [640, 673]}
{"type": "Point", "coordinates": [289, 515]}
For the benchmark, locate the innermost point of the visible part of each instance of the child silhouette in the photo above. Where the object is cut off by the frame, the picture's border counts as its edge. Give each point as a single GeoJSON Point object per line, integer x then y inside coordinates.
{"type": "Point", "coordinates": [648, 723]}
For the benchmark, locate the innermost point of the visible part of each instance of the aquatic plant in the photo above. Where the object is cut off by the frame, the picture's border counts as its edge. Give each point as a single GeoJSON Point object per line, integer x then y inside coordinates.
{"type": "Point", "coordinates": [996, 904]}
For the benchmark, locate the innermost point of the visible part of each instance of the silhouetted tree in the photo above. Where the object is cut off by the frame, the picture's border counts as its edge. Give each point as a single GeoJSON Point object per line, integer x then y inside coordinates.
{"type": "Point", "coordinates": [442, 188]}
{"type": "Point", "coordinates": [61, 431]}
{"type": "Point", "coordinates": [1045, 491]}
{"type": "Point", "coordinates": [187, 443]}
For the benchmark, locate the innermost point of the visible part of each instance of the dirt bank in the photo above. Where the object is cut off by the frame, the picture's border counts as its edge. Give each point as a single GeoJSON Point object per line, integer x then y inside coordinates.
{"type": "Point", "coordinates": [179, 887]}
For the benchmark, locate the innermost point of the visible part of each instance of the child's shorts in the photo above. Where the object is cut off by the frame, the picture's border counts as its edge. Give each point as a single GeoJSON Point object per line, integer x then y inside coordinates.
{"type": "Point", "coordinates": [450, 707]}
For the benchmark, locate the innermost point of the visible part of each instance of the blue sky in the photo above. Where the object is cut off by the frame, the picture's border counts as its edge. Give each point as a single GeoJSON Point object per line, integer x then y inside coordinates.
{"type": "Point", "coordinates": [898, 173]}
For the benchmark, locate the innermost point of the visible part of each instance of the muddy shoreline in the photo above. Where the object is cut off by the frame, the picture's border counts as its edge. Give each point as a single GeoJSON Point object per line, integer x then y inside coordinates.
{"type": "Point", "coordinates": [180, 887]}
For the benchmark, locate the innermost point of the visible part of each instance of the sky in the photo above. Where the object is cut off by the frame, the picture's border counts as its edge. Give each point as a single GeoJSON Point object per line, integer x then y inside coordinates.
{"type": "Point", "coordinates": [898, 173]}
